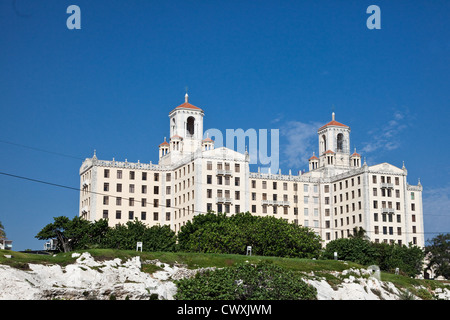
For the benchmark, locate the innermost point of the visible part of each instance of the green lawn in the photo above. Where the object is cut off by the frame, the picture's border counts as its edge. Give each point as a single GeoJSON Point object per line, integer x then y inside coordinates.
{"type": "Point", "coordinates": [199, 260]}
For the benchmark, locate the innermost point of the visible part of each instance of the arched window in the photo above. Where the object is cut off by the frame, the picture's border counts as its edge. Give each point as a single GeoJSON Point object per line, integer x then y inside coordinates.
{"type": "Point", "coordinates": [340, 142]}
{"type": "Point", "coordinates": [190, 126]}
{"type": "Point", "coordinates": [324, 142]}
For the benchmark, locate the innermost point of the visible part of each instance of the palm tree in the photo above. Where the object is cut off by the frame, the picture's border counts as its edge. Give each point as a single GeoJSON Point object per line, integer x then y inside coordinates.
{"type": "Point", "coordinates": [359, 233]}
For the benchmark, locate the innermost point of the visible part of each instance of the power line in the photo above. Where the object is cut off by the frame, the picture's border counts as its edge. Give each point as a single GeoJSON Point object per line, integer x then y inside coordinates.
{"type": "Point", "coordinates": [41, 150]}
{"type": "Point", "coordinates": [162, 205]}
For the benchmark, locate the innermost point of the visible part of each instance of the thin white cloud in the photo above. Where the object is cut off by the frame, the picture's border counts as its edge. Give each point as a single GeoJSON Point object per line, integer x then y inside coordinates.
{"type": "Point", "coordinates": [387, 137]}
{"type": "Point", "coordinates": [436, 210]}
{"type": "Point", "coordinates": [299, 140]}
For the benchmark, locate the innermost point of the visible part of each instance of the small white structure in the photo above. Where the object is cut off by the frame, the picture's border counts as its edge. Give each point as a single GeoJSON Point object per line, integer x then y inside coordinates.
{"type": "Point", "coordinates": [51, 245]}
{"type": "Point", "coordinates": [249, 251]}
{"type": "Point", "coordinates": [5, 244]}
{"type": "Point", "coordinates": [138, 246]}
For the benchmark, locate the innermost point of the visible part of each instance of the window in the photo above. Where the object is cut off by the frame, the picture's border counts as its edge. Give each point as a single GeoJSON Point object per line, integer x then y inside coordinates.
{"type": "Point", "coordinates": [209, 179]}
{"type": "Point", "coordinates": [209, 193]}
{"type": "Point", "coordinates": [106, 186]}
{"type": "Point", "coordinates": [118, 201]}
{"type": "Point", "coordinates": [119, 174]}
{"type": "Point", "coordinates": [144, 189]}
{"type": "Point", "coordinates": [264, 184]}
{"type": "Point", "coordinates": [305, 188]}
{"type": "Point", "coordinates": [131, 215]}
{"type": "Point", "coordinates": [253, 208]}
{"type": "Point", "coordinates": [209, 165]}
{"type": "Point", "coordinates": [105, 200]}
{"type": "Point", "coordinates": [144, 175]}
{"type": "Point", "coordinates": [413, 207]}
{"type": "Point", "coordinates": [274, 186]}
{"type": "Point", "coordinates": [143, 202]}
{"type": "Point", "coordinates": [155, 216]}
{"type": "Point", "coordinates": [143, 215]}
{"type": "Point", "coordinates": [340, 142]}
{"type": "Point", "coordinates": [253, 183]}
{"type": "Point", "coordinates": [156, 177]}
{"type": "Point", "coordinates": [412, 195]}
{"type": "Point", "coordinates": [131, 175]}
{"type": "Point", "coordinates": [105, 214]}
{"type": "Point", "coordinates": [131, 202]}
{"type": "Point", "coordinates": [118, 214]}
{"type": "Point", "coordinates": [131, 188]}
{"type": "Point", "coordinates": [155, 190]}
{"type": "Point", "coordinates": [119, 187]}
{"type": "Point", "coordinates": [237, 167]}
{"type": "Point", "coordinates": [236, 181]}
{"type": "Point", "coordinates": [106, 173]}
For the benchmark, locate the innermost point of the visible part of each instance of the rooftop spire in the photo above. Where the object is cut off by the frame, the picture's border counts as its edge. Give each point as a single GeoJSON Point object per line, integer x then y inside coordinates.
{"type": "Point", "coordinates": [186, 98]}
{"type": "Point", "coordinates": [332, 116]}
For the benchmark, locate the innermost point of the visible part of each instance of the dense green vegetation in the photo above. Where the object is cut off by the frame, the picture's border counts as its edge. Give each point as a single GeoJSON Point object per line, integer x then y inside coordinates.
{"type": "Point", "coordinates": [245, 281]}
{"type": "Point", "coordinates": [268, 236]}
{"type": "Point", "coordinates": [219, 233]}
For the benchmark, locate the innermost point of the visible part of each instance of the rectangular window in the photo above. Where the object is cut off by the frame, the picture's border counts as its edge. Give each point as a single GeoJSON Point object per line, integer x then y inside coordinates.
{"type": "Point", "coordinates": [131, 175]}
{"type": "Point", "coordinates": [118, 214]}
{"type": "Point", "coordinates": [106, 173]}
{"type": "Point", "coordinates": [119, 187]}
{"type": "Point", "coordinates": [105, 214]}
{"type": "Point", "coordinates": [131, 215]}
{"type": "Point", "coordinates": [119, 174]}
{"type": "Point", "coordinates": [143, 215]}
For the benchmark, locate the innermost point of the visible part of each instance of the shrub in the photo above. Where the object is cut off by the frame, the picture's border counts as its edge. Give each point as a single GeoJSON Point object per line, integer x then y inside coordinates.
{"type": "Point", "coordinates": [246, 282]}
{"type": "Point", "coordinates": [352, 249]}
{"type": "Point", "coordinates": [268, 236]}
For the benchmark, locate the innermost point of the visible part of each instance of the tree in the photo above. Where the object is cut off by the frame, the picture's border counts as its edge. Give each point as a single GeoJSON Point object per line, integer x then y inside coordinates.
{"type": "Point", "coordinates": [2, 231]}
{"type": "Point", "coordinates": [438, 254]}
{"type": "Point", "coordinates": [71, 234]}
{"type": "Point", "coordinates": [359, 233]}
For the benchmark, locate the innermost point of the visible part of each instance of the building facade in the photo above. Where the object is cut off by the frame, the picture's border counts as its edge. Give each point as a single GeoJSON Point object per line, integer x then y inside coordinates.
{"type": "Point", "coordinates": [338, 194]}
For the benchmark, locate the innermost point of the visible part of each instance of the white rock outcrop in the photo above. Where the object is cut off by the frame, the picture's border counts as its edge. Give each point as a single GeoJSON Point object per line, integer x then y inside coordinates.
{"type": "Point", "coordinates": [114, 279]}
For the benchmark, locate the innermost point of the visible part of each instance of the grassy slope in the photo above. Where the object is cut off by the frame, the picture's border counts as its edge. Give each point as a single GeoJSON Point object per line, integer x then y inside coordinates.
{"type": "Point", "coordinates": [197, 260]}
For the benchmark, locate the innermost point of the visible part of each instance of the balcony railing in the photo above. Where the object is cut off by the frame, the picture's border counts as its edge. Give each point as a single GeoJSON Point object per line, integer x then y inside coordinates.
{"type": "Point", "coordinates": [276, 202]}
{"type": "Point", "coordinates": [388, 210]}
{"type": "Point", "coordinates": [387, 185]}
{"type": "Point", "coordinates": [224, 200]}
{"type": "Point", "coordinates": [224, 172]}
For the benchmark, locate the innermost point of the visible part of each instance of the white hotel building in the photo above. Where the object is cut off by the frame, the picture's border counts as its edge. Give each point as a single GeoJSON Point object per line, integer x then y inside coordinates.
{"type": "Point", "coordinates": [337, 194]}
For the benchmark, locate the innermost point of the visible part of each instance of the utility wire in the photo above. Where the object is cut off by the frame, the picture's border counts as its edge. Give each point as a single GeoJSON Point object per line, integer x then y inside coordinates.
{"type": "Point", "coordinates": [162, 205]}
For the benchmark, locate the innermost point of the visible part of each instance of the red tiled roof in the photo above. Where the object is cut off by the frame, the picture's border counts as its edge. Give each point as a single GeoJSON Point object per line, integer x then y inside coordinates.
{"type": "Point", "coordinates": [207, 140]}
{"type": "Point", "coordinates": [313, 158]}
{"type": "Point", "coordinates": [187, 105]}
{"type": "Point", "coordinates": [329, 151]}
{"type": "Point", "coordinates": [164, 143]}
{"type": "Point", "coordinates": [333, 123]}
{"type": "Point", "coordinates": [356, 154]}
{"type": "Point", "coordinates": [176, 137]}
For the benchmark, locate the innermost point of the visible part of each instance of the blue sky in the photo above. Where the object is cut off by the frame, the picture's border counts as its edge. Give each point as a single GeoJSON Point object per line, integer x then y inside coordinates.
{"type": "Point", "coordinates": [249, 64]}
